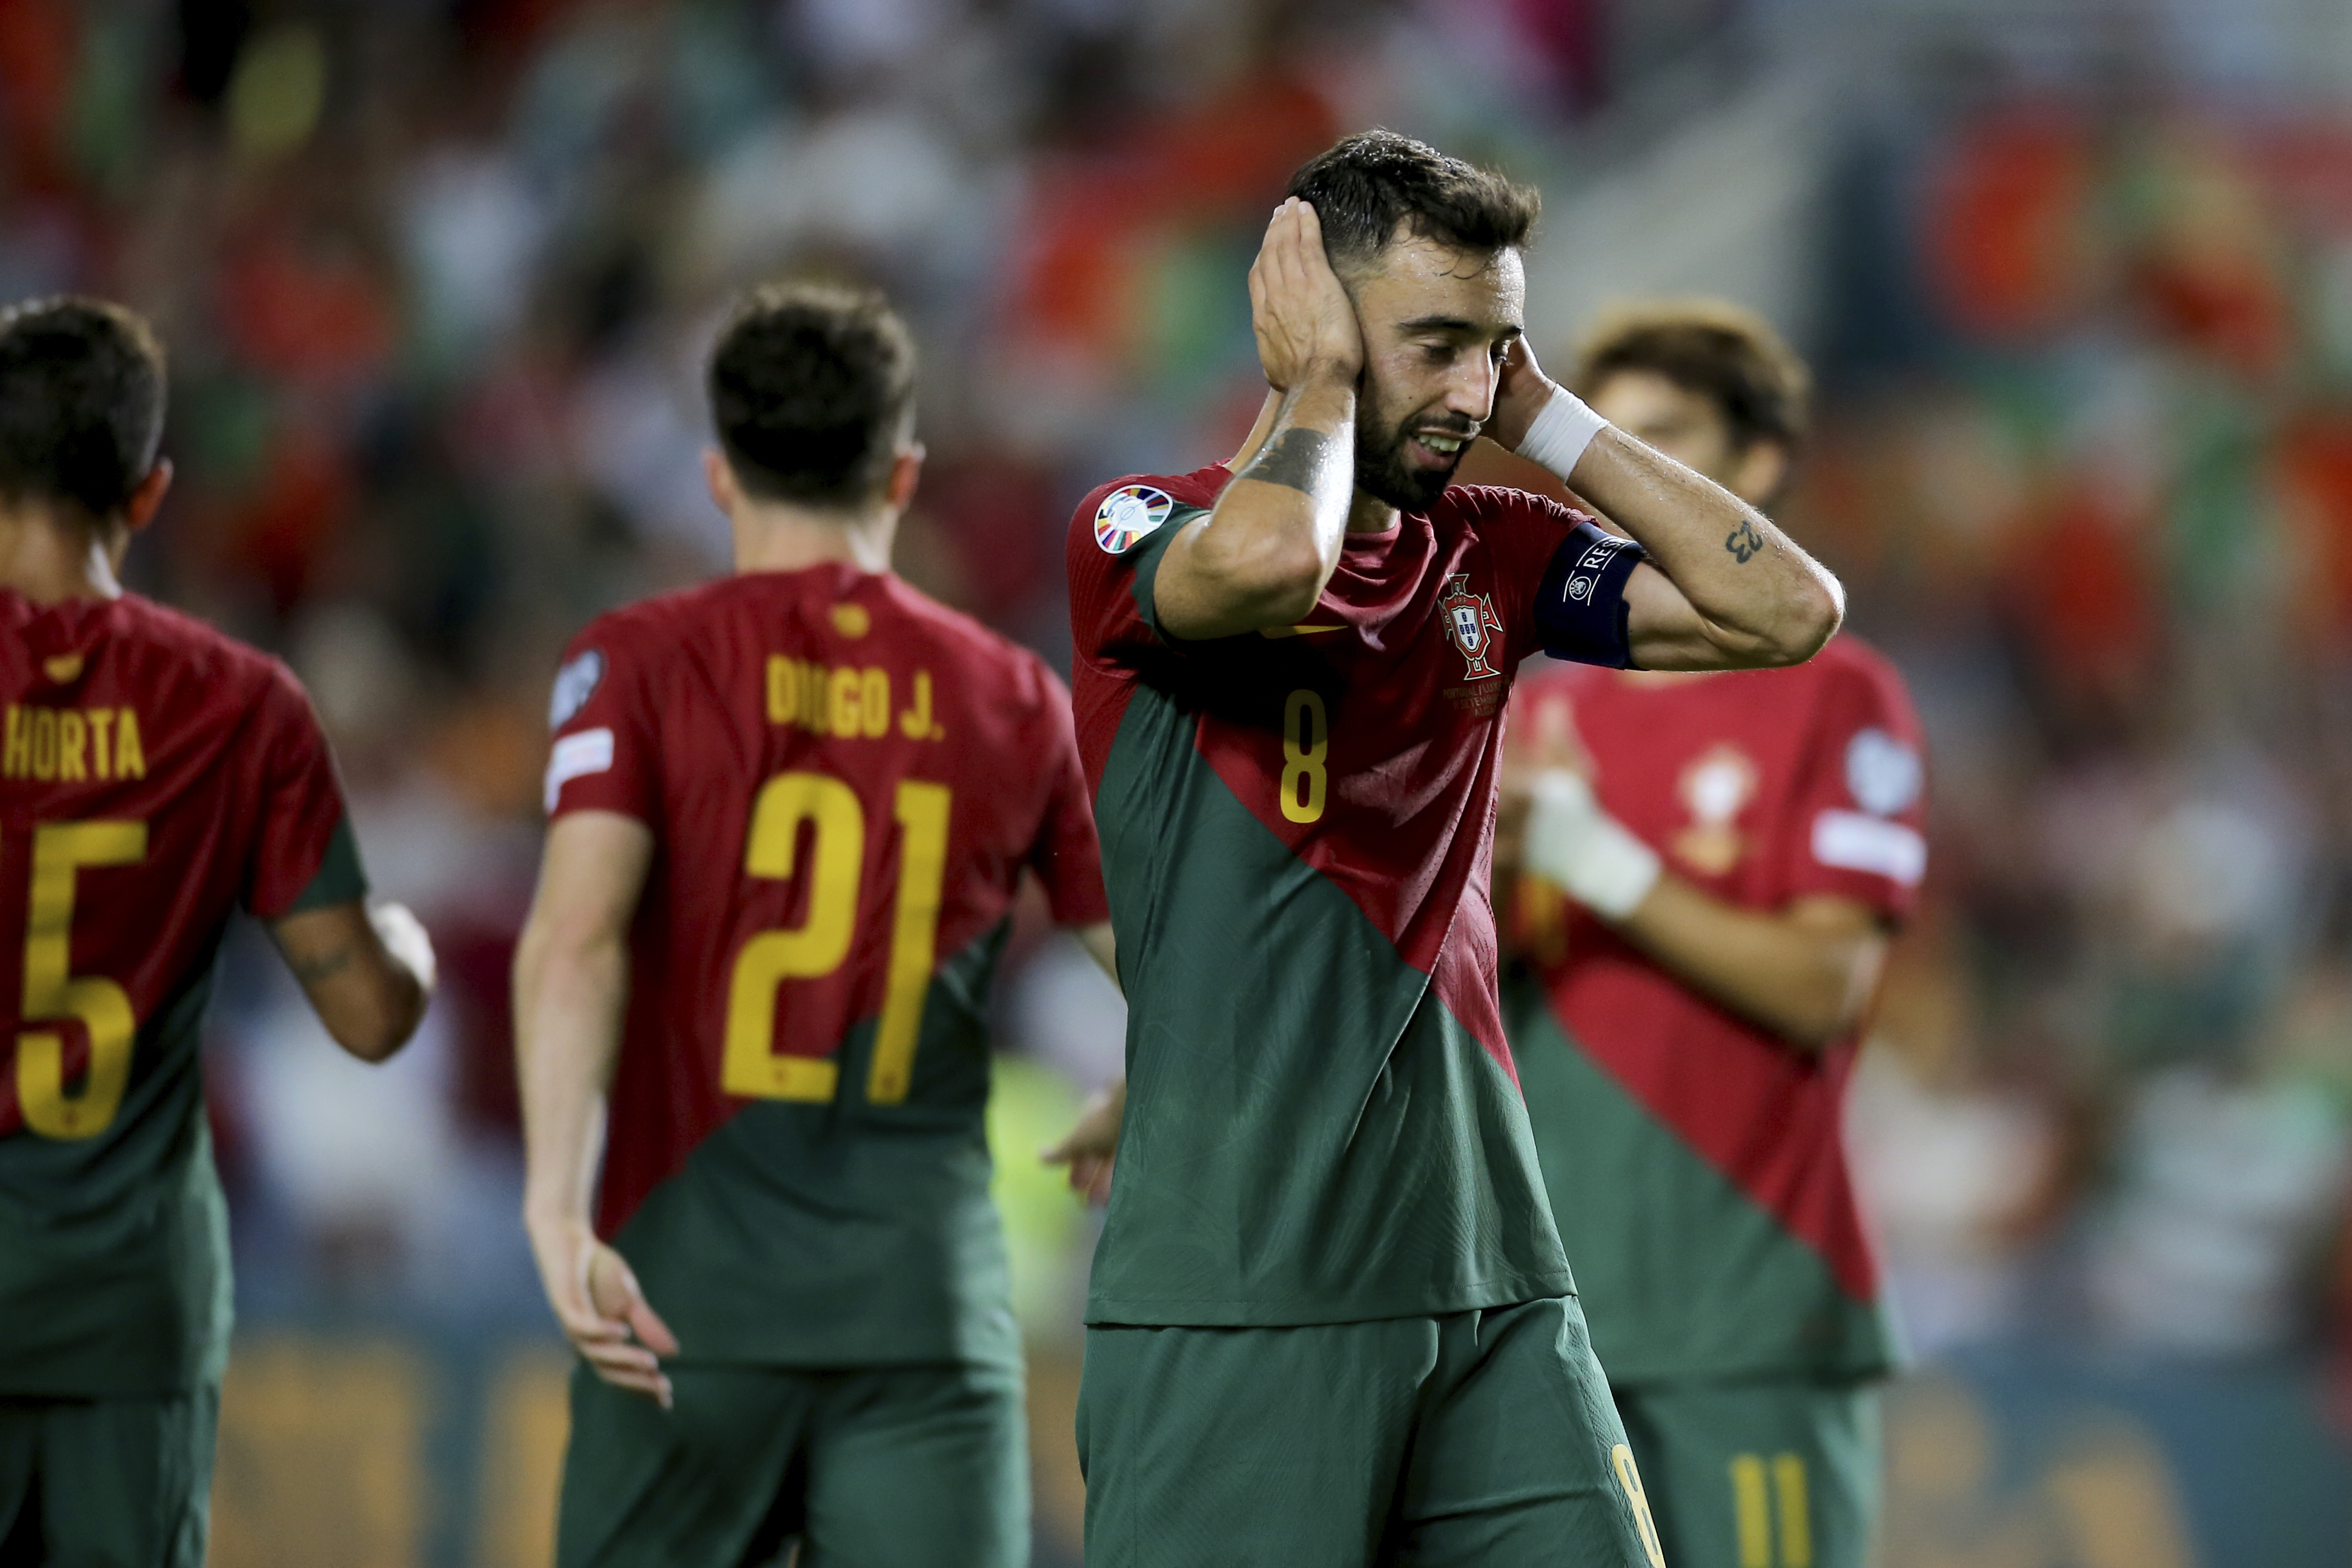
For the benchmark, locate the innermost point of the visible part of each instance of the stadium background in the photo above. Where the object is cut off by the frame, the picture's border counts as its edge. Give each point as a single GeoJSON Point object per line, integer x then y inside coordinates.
{"type": "Point", "coordinates": [435, 273]}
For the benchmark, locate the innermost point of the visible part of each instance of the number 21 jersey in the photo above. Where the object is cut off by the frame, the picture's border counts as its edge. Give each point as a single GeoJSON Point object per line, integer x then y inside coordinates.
{"type": "Point", "coordinates": [846, 782]}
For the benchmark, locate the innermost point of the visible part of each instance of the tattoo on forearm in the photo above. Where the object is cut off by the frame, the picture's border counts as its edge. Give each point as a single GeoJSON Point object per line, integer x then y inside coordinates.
{"type": "Point", "coordinates": [1745, 542]}
{"type": "Point", "coordinates": [1294, 459]}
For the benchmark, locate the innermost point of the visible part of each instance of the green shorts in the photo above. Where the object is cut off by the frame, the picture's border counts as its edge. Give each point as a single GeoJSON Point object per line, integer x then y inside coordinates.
{"type": "Point", "coordinates": [902, 1467]}
{"type": "Point", "coordinates": [108, 1483]}
{"type": "Point", "coordinates": [1480, 1437]}
{"type": "Point", "coordinates": [1770, 1474]}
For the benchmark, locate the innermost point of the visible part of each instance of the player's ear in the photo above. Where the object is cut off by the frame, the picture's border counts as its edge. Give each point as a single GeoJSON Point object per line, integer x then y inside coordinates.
{"type": "Point", "coordinates": [724, 492]}
{"type": "Point", "coordinates": [140, 510]}
{"type": "Point", "coordinates": [905, 472]}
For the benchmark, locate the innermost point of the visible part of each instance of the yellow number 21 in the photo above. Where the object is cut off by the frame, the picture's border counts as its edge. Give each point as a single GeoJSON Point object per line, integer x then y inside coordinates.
{"type": "Point", "coordinates": [821, 943]}
{"type": "Point", "coordinates": [54, 994]}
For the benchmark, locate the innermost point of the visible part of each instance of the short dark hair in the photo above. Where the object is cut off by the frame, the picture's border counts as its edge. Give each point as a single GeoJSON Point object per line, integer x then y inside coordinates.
{"type": "Point", "coordinates": [1377, 186]}
{"type": "Point", "coordinates": [1720, 351]}
{"type": "Point", "coordinates": [81, 402]}
{"type": "Point", "coordinates": [812, 385]}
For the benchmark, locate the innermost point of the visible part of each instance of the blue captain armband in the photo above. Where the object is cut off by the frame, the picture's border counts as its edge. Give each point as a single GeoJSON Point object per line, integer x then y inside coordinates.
{"type": "Point", "coordinates": [1581, 608]}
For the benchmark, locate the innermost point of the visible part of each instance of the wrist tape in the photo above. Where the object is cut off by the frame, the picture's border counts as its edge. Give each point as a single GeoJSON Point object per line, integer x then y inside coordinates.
{"type": "Point", "coordinates": [1561, 432]}
{"type": "Point", "coordinates": [1573, 841]}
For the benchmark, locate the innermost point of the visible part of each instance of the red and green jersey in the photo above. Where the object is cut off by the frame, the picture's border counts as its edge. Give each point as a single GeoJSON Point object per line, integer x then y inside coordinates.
{"type": "Point", "coordinates": [1693, 1158]}
{"type": "Point", "coordinates": [1321, 1121]}
{"type": "Point", "coordinates": [844, 781]}
{"type": "Point", "coordinates": [155, 776]}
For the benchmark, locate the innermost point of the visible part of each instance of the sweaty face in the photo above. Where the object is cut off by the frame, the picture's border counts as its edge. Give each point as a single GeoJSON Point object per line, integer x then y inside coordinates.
{"type": "Point", "coordinates": [1436, 322]}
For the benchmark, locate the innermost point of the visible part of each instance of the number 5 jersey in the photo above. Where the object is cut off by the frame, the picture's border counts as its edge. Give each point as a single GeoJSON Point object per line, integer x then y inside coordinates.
{"type": "Point", "coordinates": [844, 781]}
{"type": "Point", "coordinates": [154, 775]}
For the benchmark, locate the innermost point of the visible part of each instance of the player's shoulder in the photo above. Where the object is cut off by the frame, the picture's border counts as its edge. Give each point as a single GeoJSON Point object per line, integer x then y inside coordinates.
{"type": "Point", "coordinates": [654, 621]}
{"type": "Point", "coordinates": [178, 641]}
{"type": "Point", "coordinates": [978, 652]}
{"type": "Point", "coordinates": [1484, 504]}
{"type": "Point", "coordinates": [1118, 514]}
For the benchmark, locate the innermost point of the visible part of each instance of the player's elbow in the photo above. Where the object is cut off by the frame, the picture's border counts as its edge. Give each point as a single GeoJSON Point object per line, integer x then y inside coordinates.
{"type": "Point", "coordinates": [374, 1024]}
{"type": "Point", "coordinates": [1261, 576]}
{"type": "Point", "coordinates": [1801, 619]}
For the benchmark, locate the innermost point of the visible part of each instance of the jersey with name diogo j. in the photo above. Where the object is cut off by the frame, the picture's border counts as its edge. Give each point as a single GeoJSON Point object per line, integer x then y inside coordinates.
{"type": "Point", "coordinates": [1321, 1122]}
{"type": "Point", "coordinates": [844, 781]}
{"type": "Point", "coordinates": [155, 776]}
{"type": "Point", "coordinates": [1693, 1158]}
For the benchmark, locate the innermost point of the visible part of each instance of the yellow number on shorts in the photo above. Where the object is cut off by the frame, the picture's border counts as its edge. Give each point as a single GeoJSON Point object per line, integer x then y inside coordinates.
{"type": "Point", "coordinates": [821, 943]}
{"type": "Point", "coordinates": [1306, 741]}
{"type": "Point", "coordinates": [52, 993]}
{"type": "Point", "coordinates": [1752, 1507]}
{"type": "Point", "coordinates": [1621, 1458]}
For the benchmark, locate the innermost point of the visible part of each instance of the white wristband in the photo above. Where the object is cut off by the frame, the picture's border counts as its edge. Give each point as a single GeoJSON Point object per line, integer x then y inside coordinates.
{"type": "Point", "coordinates": [1561, 432]}
{"type": "Point", "coordinates": [1573, 841]}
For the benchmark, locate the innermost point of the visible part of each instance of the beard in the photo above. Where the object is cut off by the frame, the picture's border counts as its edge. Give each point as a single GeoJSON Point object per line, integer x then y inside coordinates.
{"type": "Point", "coordinates": [1385, 472]}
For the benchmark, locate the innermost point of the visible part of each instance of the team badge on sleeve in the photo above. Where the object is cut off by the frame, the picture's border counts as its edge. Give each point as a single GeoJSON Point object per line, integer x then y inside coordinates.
{"type": "Point", "coordinates": [574, 684]}
{"type": "Point", "coordinates": [1882, 773]}
{"type": "Point", "coordinates": [1129, 514]}
{"type": "Point", "coordinates": [1472, 625]}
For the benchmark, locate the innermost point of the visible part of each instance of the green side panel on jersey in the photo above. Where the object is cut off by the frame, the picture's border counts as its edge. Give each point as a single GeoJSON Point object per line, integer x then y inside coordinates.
{"type": "Point", "coordinates": [1684, 1276]}
{"type": "Point", "coordinates": [1310, 1136]}
{"type": "Point", "coordinates": [844, 1235]}
{"type": "Point", "coordinates": [340, 879]}
{"type": "Point", "coordinates": [114, 1271]}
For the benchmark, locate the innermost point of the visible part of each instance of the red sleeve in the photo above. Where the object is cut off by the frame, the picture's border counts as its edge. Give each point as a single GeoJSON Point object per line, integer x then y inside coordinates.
{"type": "Point", "coordinates": [604, 756]}
{"type": "Point", "coordinates": [1524, 532]}
{"type": "Point", "coordinates": [1067, 856]}
{"type": "Point", "coordinates": [1118, 537]}
{"type": "Point", "coordinates": [301, 806]}
{"type": "Point", "coordinates": [1857, 814]}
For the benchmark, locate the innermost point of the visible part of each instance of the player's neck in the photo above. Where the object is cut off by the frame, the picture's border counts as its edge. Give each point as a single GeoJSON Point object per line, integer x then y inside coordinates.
{"type": "Point", "coordinates": [49, 560]}
{"type": "Point", "coordinates": [772, 536]}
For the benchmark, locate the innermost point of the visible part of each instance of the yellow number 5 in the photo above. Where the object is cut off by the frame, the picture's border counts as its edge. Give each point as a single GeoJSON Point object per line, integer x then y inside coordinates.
{"type": "Point", "coordinates": [819, 946]}
{"type": "Point", "coordinates": [52, 993]}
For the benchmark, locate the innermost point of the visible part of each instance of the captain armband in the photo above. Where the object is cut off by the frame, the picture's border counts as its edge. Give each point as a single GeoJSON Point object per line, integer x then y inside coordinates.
{"type": "Point", "coordinates": [1581, 608]}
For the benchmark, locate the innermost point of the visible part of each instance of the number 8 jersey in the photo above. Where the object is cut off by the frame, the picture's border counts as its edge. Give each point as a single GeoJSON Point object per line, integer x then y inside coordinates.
{"type": "Point", "coordinates": [154, 775]}
{"type": "Point", "coordinates": [844, 781]}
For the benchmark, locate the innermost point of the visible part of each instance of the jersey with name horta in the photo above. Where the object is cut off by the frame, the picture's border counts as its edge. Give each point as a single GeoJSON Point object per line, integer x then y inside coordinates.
{"type": "Point", "coordinates": [1693, 1158]}
{"type": "Point", "coordinates": [846, 782]}
{"type": "Point", "coordinates": [155, 776]}
{"type": "Point", "coordinates": [1321, 1122]}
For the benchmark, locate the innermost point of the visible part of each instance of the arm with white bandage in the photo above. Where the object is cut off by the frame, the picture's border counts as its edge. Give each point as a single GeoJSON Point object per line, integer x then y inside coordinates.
{"type": "Point", "coordinates": [1717, 586]}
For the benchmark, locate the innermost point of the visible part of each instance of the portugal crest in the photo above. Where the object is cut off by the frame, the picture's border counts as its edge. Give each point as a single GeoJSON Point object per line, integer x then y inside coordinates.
{"type": "Point", "coordinates": [1471, 622]}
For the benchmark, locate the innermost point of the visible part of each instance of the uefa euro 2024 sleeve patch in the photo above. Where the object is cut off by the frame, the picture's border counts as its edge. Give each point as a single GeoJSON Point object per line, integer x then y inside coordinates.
{"type": "Point", "coordinates": [1129, 514]}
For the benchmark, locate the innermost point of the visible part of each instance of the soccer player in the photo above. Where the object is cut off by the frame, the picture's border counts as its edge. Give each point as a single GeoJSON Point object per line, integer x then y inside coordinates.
{"type": "Point", "coordinates": [1738, 848]}
{"type": "Point", "coordinates": [1331, 1322]}
{"type": "Point", "coordinates": [155, 776]}
{"type": "Point", "coordinates": [790, 812]}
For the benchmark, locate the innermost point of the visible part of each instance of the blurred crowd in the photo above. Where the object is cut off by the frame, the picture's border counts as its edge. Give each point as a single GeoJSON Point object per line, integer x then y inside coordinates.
{"type": "Point", "coordinates": [435, 278]}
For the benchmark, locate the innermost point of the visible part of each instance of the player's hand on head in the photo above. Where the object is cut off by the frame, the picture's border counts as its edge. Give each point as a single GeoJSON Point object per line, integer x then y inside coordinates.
{"type": "Point", "coordinates": [1521, 389]}
{"type": "Point", "coordinates": [602, 1308]}
{"type": "Point", "coordinates": [1305, 322]}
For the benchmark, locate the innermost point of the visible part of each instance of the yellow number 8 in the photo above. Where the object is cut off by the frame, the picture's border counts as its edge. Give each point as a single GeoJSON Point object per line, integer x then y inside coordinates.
{"type": "Point", "coordinates": [1302, 756]}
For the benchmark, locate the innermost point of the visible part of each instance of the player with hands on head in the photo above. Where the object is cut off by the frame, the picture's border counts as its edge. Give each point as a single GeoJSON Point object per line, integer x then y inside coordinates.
{"type": "Point", "coordinates": [1735, 851]}
{"type": "Point", "coordinates": [789, 810]}
{"type": "Point", "coordinates": [155, 776]}
{"type": "Point", "coordinates": [1291, 677]}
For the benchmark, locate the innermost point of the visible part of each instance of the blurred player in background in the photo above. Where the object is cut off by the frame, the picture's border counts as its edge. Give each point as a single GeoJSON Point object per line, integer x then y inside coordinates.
{"type": "Point", "coordinates": [1735, 849]}
{"type": "Point", "coordinates": [155, 776]}
{"type": "Point", "coordinates": [1331, 1322]}
{"type": "Point", "coordinates": [791, 810]}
